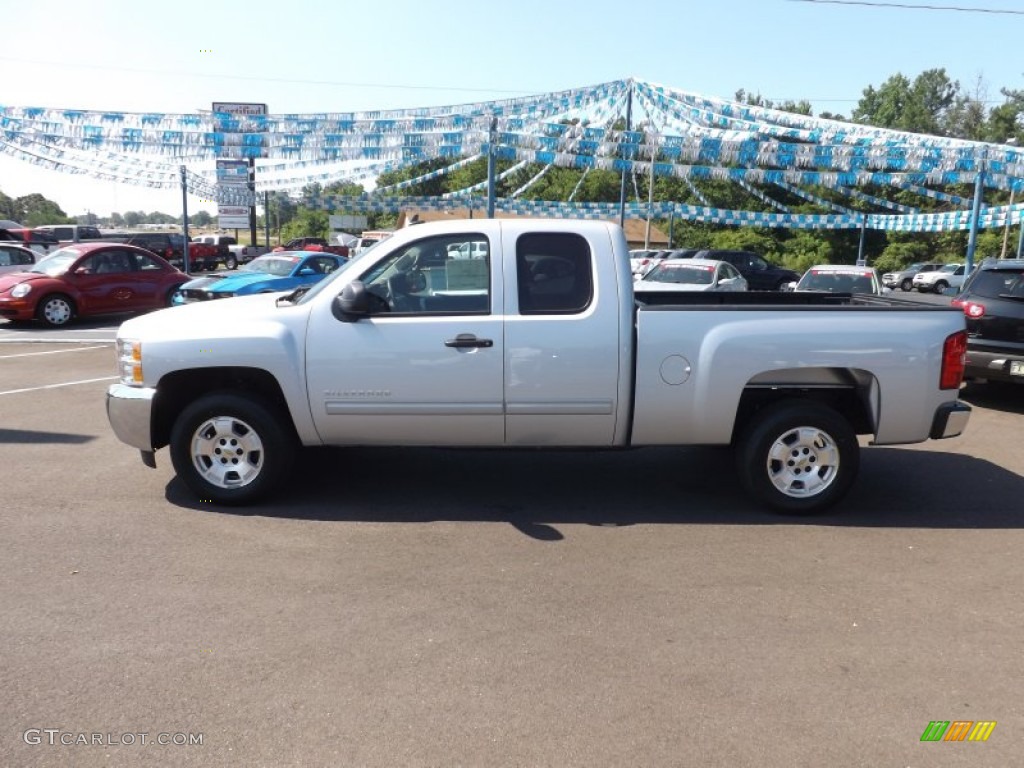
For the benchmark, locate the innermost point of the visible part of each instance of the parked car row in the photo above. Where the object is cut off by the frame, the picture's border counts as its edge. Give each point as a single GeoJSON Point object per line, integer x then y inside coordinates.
{"type": "Point", "coordinates": [904, 278]}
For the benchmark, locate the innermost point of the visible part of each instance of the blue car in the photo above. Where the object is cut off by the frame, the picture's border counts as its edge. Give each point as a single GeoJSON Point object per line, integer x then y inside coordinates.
{"type": "Point", "coordinates": [280, 271]}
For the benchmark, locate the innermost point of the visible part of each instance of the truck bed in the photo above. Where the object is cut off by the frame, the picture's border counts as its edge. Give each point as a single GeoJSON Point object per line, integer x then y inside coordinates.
{"type": "Point", "coordinates": [654, 300]}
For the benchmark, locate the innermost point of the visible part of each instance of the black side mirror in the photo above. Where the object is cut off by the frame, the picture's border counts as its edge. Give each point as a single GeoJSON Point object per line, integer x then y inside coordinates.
{"type": "Point", "coordinates": [352, 303]}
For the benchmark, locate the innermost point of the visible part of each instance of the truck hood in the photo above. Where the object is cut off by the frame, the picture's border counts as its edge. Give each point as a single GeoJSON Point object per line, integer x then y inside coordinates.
{"type": "Point", "coordinates": [242, 316]}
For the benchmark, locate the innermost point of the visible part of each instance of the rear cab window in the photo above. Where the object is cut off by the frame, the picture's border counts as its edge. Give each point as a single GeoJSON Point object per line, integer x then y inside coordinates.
{"type": "Point", "coordinates": [554, 272]}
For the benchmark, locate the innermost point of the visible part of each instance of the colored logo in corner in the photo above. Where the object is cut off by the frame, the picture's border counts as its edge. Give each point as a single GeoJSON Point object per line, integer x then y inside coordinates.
{"type": "Point", "coordinates": [958, 730]}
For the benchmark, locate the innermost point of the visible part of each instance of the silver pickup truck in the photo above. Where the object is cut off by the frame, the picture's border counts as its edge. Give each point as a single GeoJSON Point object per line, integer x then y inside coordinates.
{"type": "Point", "coordinates": [536, 340]}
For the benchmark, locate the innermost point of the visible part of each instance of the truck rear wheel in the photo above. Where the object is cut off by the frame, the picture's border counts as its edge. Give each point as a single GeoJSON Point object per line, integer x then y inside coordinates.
{"type": "Point", "coordinates": [231, 262]}
{"type": "Point", "coordinates": [798, 457]}
{"type": "Point", "coordinates": [230, 449]}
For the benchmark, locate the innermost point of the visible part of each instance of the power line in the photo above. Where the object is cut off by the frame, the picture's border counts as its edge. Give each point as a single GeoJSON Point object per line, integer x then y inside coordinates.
{"type": "Point", "coordinates": [913, 6]}
{"type": "Point", "coordinates": [78, 65]}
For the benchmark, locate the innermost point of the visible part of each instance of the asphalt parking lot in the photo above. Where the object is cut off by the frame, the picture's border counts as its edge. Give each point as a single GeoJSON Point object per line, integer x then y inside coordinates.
{"type": "Point", "coordinates": [441, 607]}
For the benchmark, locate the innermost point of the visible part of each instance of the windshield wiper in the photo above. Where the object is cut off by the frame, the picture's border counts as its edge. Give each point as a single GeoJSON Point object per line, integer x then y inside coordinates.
{"type": "Point", "coordinates": [1011, 296]}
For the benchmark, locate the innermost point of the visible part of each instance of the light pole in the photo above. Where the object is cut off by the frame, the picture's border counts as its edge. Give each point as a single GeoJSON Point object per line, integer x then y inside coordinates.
{"type": "Point", "coordinates": [1012, 142]}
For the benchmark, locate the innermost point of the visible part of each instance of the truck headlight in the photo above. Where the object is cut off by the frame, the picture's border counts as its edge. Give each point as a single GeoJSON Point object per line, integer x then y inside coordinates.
{"type": "Point", "coordinates": [129, 360]}
{"type": "Point", "coordinates": [21, 290]}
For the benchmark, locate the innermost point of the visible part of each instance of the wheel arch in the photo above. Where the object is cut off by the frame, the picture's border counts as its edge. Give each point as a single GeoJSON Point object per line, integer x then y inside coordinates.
{"type": "Point", "coordinates": [851, 392]}
{"type": "Point", "coordinates": [179, 388]}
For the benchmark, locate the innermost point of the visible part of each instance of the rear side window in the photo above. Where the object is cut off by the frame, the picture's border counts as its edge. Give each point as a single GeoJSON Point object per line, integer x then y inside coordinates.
{"type": "Point", "coordinates": [554, 273]}
{"type": "Point", "coordinates": [996, 283]}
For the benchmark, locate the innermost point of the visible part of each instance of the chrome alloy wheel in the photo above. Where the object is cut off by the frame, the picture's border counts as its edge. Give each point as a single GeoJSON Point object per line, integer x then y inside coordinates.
{"type": "Point", "coordinates": [227, 452]}
{"type": "Point", "coordinates": [803, 462]}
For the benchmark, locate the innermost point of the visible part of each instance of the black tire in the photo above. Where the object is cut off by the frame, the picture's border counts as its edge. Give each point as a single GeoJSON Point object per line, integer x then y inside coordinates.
{"type": "Point", "coordinates": [169, 299]}
{"type": "Point", "coordinates": [56, 310]}
{"type": "Point", "coordinates": [907, 284]}
{"type": "Point", "coordinates": [231, 262]}
{"type": "Point", "coordinates": [940, 286]}
{"type": "Point", "coordinates": [820, 445]}
{"type": "Point", "coordinates": [249, 448]}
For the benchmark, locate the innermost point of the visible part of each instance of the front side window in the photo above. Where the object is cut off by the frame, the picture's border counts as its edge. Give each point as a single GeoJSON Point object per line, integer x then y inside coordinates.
{"type": "Point", "coordinates": [107, 263]}
{"type": "Point", "coordinates": [449, 274]}
{"type": "Point", "coordinates": [554, 273]}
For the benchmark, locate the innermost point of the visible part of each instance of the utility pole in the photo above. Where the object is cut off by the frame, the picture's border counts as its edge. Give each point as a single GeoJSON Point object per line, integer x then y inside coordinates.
{"type": "Point", "coordinates": [629, 127]}
{"type": "Point", "coordinates": [184, 219]}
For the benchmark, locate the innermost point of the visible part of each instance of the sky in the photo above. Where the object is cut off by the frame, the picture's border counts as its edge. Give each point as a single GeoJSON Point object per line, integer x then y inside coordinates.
{"type": "Point", "coordinates": [339, 55]}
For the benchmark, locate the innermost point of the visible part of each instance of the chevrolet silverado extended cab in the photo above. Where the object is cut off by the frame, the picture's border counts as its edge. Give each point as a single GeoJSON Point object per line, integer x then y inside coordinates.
{"type": "Point", "coordinates": [537, 342]}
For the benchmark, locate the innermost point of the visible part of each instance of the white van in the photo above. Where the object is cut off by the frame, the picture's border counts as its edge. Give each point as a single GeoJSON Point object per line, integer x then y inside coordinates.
{"type": "Point", "coordinates": [469, 250]}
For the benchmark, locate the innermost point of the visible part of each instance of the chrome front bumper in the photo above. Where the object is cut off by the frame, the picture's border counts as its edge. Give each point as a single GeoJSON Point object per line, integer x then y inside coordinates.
{"type": "Point", "coordinates": [129, 411]}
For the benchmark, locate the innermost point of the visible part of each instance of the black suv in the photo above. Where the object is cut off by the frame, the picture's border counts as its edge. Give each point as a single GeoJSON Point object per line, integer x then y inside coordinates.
{"type": "Point", "coordinates": [993, 301]}
{"type": "Point", "coordinates": [760, 274]}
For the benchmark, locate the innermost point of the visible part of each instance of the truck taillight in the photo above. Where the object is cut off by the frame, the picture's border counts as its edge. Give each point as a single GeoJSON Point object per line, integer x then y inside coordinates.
{"type": "Point", "coordinates": [954, 356]}
{"type": "Point", "coordinates": [168, 252]}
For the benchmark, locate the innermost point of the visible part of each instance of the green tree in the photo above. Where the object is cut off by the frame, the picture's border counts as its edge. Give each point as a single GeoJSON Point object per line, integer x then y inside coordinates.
{"type": "Point", "coordinates": [34, 210]}
{"type": "Point", "coordinates": [200, 218]}
{"type": "Point", "coordinates": [7, 210]}
{"type": "Point", "coordinates": [307, 223]}
{"type": "Point", "coordinates": [920, 106]}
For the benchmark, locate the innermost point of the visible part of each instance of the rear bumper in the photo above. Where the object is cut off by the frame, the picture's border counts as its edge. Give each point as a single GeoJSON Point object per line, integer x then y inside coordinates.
{"type": "Point", "coordinates": [130, 413]}
{"type": "Point", "coordinates": [950, 420]}
{"type": "Point", "coordinates": [993, 365]}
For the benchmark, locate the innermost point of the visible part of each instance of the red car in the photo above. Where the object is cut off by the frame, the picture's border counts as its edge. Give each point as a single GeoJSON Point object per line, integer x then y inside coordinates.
{"type": "Point", "coordinates": [89, 279]}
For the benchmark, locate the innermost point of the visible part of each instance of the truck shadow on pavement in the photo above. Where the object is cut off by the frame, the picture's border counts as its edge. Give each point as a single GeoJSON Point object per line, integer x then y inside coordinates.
{"type": "Point", "coordinates": [535, 490]}
{"type": "Point", "coordinates": [38, 437]}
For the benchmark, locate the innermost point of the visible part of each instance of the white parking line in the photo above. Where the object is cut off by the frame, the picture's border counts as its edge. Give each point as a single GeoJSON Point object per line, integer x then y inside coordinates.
{"type": "Point", "coordinates": [51, 352]}
{"type": "Point", "coordinates": [14, 339]}
{"type": "Point", "coordinates": [54, 386]}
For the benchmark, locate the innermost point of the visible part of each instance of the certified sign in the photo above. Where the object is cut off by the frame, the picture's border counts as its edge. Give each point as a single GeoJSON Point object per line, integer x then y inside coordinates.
{"type": "Point", "coordinates": [239, 108]}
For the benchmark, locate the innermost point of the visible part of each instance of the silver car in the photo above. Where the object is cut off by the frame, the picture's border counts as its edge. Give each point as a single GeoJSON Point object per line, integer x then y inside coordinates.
{"type": "Point", "coordinates": [691, 275]}
{"type": "Point", "coordinates": [14, 258]}
{"type": "Point", "coordinates": [841, 278]}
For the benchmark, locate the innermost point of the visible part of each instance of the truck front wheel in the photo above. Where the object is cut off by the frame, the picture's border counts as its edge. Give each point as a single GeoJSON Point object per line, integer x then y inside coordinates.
{"type": "Point", "coordinates": [798, 457]}
{"type": "Point", "coordinates": [230, 449]}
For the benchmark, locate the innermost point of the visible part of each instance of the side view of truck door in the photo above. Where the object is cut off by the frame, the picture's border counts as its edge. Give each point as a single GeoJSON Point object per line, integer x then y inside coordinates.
{"type": "Point", "coordinates": [512, 346]}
